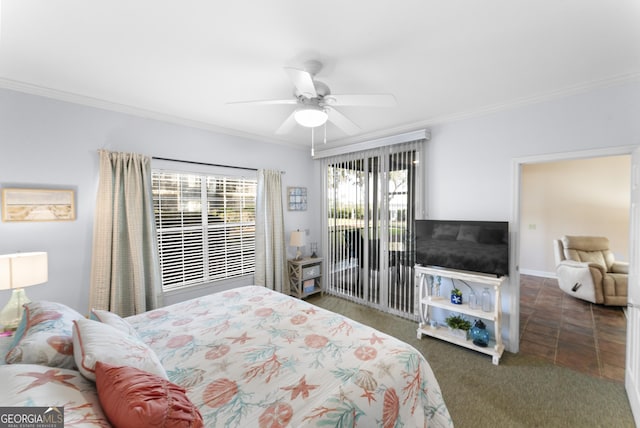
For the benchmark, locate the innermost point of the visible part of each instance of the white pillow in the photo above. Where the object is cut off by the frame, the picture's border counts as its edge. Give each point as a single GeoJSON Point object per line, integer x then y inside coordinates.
{"type": "Point", "coordinates": [94, 341]}
{"type": "Point", "coordinates": [114, 320]}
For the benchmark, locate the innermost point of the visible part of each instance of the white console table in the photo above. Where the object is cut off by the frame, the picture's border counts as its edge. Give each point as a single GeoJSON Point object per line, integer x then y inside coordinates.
{"type": "Point", "coordinates": [424, 278]}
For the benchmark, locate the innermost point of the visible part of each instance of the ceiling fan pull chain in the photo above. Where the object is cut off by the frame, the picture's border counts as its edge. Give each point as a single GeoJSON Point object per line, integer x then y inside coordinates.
{"type": "Point", "coordinates": [325, 132]}
{"type": "Point", "coordinates": [312, 135]}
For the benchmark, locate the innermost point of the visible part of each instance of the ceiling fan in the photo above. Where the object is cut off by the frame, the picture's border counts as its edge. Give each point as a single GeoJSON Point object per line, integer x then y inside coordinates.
{"type": "Point", "coordinates": [315, 104]}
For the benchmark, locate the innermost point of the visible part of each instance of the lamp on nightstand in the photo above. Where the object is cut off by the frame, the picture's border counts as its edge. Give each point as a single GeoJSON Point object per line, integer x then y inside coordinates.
{"type": "Point", "coordinates": [18, 271]}
{"type": "Point", "coordinates": [297, 240]}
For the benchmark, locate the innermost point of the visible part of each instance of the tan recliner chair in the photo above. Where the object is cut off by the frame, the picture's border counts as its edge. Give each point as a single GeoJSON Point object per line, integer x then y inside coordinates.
{"type": "Point", "coordinates": [586, 269]}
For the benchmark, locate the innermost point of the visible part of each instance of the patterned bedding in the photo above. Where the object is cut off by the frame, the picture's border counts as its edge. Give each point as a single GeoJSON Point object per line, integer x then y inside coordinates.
{"type": "Point", "coordinates": [251, 357]}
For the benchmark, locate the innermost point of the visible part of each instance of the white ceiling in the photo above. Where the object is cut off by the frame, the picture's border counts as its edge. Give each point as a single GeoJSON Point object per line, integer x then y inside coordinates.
{"type": "Point", "coordinates": [183, 61]}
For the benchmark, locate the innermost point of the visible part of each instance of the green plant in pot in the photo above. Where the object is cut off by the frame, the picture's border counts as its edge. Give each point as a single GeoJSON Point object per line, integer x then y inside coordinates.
{"type": "Point", "coordinates": [456, 296]}
{"type": "Point", "coordinates": [457, 322]}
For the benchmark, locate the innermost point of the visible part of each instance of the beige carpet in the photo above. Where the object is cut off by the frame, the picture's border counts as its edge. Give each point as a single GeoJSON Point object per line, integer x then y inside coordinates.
{"type": "Point", "coordinates": [520, 392]}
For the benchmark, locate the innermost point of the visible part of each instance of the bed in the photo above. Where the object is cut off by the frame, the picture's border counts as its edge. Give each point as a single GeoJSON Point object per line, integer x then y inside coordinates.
{"type": "Point", "coordinates": [248, 357]}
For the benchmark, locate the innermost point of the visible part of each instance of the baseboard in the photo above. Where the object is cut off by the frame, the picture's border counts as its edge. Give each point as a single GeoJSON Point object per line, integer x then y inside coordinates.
{"type": "Point", "coordinates": [539, 273]}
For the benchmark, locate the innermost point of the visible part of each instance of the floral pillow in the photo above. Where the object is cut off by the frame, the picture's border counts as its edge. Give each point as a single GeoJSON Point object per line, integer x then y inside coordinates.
{"type": "Point", "coordinates": [94, 341]}
{"type": "Point", "coordinates": [114, 320]}
{"type": "Point", "coordinates": [131, 397]}
{"type": "Point", "coordinates": [35, 385]}
{"type": "Point", "coordinates": [44, 336]}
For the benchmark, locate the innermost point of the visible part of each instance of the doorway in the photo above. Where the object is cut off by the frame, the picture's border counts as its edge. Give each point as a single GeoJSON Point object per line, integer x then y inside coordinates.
{"type": "Point", "coordinates": [544, 268]}
{"type": "Point", "coordinates": [572, 197]}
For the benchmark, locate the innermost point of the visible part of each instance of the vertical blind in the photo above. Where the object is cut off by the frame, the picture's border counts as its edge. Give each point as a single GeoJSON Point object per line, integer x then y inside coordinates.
{"type": "Point", "coordinates": [371, 203]}
{"type": "Point", "coordinates": [402, 201]}
{"type": "Point", "coordinates": [205, 225]}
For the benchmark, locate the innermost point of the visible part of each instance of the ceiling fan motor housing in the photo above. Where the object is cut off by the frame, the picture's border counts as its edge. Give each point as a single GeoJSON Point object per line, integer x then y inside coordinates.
{"type": "Point", "coordinates": [322, 90]}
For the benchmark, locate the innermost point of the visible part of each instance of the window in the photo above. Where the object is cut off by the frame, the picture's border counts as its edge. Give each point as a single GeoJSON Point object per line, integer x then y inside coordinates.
{"type": "Point", "coordinates": [205, 225]}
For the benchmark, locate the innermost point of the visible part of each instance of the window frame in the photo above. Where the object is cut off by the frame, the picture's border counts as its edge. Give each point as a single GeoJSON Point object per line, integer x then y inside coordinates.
{"type": "Point", "coordinates": [203, 265]}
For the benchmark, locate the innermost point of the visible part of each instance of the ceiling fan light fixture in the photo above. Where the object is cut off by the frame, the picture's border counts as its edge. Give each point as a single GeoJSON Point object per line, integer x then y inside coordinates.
{"type": "Point", "coordinates": [311, 116]}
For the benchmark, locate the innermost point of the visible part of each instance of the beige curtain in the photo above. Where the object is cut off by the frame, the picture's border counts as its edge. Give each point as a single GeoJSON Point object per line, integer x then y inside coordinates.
{"type": "Point", "coordinates": [270, 245]}
{"type": "Point", "coordinates": [125, 273]}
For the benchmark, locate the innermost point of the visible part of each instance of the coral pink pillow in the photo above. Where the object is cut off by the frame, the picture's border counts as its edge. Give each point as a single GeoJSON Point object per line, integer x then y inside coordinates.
{"type": "Point", "coordinates": [131, 397]}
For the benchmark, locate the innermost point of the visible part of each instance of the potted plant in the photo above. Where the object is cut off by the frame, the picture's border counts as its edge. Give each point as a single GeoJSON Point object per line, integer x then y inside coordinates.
{"type": "Point", "coordinates": [458, 325]}
{"type": "Point", "coordinates": [456, 296]}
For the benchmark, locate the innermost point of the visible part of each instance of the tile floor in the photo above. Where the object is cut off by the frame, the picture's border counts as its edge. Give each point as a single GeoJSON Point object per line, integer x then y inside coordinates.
{"type": "Point", "coordinates": [570, 332]}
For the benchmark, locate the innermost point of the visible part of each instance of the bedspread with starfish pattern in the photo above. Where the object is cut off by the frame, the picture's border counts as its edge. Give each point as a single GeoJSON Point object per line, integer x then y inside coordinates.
{"type": "Point", "coordinates": [255, 357]}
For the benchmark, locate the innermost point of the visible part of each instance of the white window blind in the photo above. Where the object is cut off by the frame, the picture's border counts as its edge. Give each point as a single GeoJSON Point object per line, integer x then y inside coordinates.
{"type": "Point", "coordinates": [205, 225]}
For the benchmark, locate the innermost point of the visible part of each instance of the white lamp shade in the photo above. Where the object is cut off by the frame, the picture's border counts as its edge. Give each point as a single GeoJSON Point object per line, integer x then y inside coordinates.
{"type": "Point", "coordinates": [297, 239]}
{"type": "Point", "coordinates": [23, 270]}
{"type": "Point", "coordinates": [310, 116]}
{"type": "Point", "coordinates": [18, 271]}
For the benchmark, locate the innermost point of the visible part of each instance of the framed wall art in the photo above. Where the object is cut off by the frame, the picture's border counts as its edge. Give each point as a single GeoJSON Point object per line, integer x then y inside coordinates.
{"type": "Point", "coordinates": [38, 205]}
{"type": "Point", "coordinates": [297, 198]}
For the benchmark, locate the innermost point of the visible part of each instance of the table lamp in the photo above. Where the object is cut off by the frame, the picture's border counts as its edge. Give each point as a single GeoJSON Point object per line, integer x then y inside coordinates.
{"type": "Point", "coordinates": [297, 240]}
{"type": "Point", "coordinates": [18, 271]}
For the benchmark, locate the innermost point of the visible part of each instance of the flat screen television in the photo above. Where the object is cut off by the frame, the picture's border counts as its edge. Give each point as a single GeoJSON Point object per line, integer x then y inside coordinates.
{"type": "Point", "coordinates": [475, 246]}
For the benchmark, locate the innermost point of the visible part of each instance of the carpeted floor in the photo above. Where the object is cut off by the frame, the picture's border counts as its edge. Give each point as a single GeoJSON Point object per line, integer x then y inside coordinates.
{"type": "Point", "coordinates": [520, 392]}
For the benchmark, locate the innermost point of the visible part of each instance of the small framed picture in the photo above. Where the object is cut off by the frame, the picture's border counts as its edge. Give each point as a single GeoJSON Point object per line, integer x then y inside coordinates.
{"type": "Point", "coordinates": [297, 198]}
{"type": "Point", "coordinates": [38, 205]}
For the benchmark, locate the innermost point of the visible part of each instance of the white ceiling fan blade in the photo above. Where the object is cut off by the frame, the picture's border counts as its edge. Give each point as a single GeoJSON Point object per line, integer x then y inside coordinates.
{"type": "Point", "coordinates": [287, 125]}
{"type": "Point", "coordinates": [342, 122]}
{"type": "Point", "coordinates": [265, 102]}
{"type": "Point", "coordinates": [303, 82]}
{"type": "Point", "coordinates": [370, 100]}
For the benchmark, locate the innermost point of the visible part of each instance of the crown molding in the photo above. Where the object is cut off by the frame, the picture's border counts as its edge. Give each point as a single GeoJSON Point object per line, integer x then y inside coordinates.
{"type": "Point", "coordinates": [102, 104]}
{"type": "Point", "coordinates": [568, 91]}
{"type": "Point", "coordinates": [495, 108]}
{"type": "Point", "coordinates": [363, 138]}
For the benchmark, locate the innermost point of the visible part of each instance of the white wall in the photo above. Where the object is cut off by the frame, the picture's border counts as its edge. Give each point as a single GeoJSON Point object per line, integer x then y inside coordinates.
{"type": "Point", "coordinates": [49, 143]}
{"type": "Point", "coordinates": [470, 163]}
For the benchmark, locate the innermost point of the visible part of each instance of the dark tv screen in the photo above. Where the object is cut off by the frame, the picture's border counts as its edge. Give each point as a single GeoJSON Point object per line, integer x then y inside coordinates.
{"type": "Point", "coordinates": [475, 246]}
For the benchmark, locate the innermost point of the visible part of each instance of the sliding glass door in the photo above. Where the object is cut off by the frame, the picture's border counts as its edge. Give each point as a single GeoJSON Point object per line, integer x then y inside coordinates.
{"type": "Point", "coordinates": [370, 211]}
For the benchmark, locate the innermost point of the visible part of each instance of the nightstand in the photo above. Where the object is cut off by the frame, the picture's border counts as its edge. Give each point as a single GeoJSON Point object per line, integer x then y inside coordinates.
{"type": "Point", "coordinates": [305, 276]}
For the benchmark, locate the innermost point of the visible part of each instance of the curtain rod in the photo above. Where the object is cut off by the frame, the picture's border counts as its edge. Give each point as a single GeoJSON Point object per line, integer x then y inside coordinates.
{"type": "Point", "coordinates": [204, 163]}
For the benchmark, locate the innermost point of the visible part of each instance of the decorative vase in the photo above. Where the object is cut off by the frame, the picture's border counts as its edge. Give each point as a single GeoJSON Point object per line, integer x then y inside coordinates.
{"type": "Point", "coordinates": [486, 300]}
{"type": "Point", "coordinates": [456, 299]}
{"type": "Point", "coordinates": [479, 334]}
{"type": "Point", "coordinates": [473, 301]}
